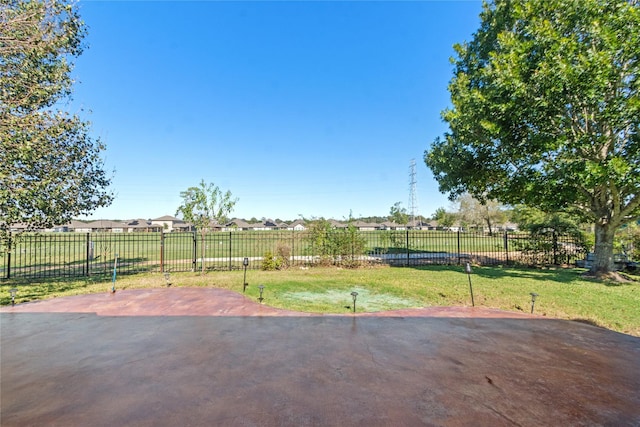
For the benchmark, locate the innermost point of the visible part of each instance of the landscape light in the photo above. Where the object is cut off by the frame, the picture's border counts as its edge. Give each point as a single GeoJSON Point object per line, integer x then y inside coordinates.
{"type": "Point", "coordinates": [13, 292]}
{"type": "Point", "coordinates": [167, 278]}
{"type": "Point", "coordinates": [354, 295]}
{"type": "Point", "coordinates": [533, 300]}
{"type": "Point", "coordinates": [261, 287]}
{"type": "Point", "coordinates": [467, 269]}
{"type": "Point", "coordinates": [245, 263]}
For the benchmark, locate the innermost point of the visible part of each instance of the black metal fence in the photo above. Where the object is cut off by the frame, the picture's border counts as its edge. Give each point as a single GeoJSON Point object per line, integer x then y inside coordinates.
{"type": "Point", "coordinates": [44, 255]}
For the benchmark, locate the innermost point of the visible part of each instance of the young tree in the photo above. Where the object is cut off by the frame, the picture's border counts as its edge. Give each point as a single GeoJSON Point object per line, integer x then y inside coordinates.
{"type": "Point", "coordinates": [50, 167]}
{"type": "Point", "coordinates": [445, 219]}
{"type": "Point", "coordinates": [398, 214]}
{"type": "Point", "coordinates": [318, 234]}
{"type": "Point", "coordinates": [473, 211]}
{"type": "Point", "coordinates": [546, 112]}
{"type": "Point", "coordinates": [205, 206]}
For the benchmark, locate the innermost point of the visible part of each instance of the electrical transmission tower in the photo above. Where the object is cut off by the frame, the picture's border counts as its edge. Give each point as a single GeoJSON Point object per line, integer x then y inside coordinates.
{"type": "Point", "coordinates": [413, 198]}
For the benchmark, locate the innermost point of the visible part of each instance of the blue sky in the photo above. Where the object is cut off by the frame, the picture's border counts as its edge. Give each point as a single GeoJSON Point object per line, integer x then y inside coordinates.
{"type": "Point", "coordinates": [298, 108]}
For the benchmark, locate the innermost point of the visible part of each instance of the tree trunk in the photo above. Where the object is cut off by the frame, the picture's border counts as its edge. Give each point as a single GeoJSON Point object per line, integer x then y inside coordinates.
{"type": "Point", "coordinates": [489, 225]}
{"type": "Point", "coordinates": [603, 262]}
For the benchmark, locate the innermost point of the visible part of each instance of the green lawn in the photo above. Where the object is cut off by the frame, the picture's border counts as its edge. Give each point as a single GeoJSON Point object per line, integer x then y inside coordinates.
{"type": "Point", "coordinates": [563, 293]}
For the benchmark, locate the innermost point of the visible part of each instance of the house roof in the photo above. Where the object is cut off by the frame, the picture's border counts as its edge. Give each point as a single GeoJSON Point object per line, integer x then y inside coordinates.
{"type": "Point", "coordinates": [74, 223]}
{"type": "Point", "coordinates": [167, 218]}
{"type": "Point", "coordinates": [391, 224]}
{"type": "Point", "coordinates": [238, 223]}
{"type": "Point", "coordinates": [142, 223]}
{"type": "Point", "coordinates": [337, 224]}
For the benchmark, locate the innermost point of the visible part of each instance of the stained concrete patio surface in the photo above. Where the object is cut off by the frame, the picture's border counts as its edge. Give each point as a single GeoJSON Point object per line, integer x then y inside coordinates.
{"type": "Point", "coordinates": [210, 357]}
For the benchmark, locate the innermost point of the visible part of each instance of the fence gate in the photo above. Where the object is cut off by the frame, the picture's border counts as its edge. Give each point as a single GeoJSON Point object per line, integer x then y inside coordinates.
{"type": "Point", "coordinates": [178, 252]}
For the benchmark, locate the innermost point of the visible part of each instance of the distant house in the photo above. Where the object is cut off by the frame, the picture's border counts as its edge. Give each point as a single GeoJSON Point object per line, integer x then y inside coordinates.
{"type": "Point", "coordinates": [107, 226]}
{"type": "Point", "coordinates": [236, 225]}
{"type": "Point", "coordinates": [510, 226]}
{"type": "Point", "coordinates": [297, 225]}
{"type": "Point", "coordinates": [79, 227]}
{"type": "Point", "coordinates": [431, 225]}
{"type": "Point", "coordinates": [366, 226]}
{"type": "Point", "coordinates": [171, 223]}
{"type": "Point", "coordinates": [337, 224]}
{"type": "Point", "coordinates": [19, 227]}
{"type": "Point", "coordinates": [265, 225]}
{"type": "Point", "coordinates": [390, 225]}
{"type": "Point", "coordinates": [143, 226]}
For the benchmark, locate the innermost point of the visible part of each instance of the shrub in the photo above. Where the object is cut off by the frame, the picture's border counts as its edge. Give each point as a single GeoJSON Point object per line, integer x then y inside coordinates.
{"type": "Point", "coordinates": [269, 262]}
{"type": "Point", "coordinates": [283, 254]}
{"type": "Point", "coordinates": [272, 262]}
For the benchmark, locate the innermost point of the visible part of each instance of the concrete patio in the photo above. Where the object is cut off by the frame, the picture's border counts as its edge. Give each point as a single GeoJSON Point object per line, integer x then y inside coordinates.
{"type": "Point", "coordinates": [196, 356]}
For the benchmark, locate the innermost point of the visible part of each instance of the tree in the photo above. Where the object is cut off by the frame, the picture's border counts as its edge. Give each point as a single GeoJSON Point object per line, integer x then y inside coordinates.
{"type": "Point", "coordinates": [319, 237]}
{"type": "Point", "coordinates": [205, 207]}
{"type": "Point", "coordinates": [545, 227]}
{"type": "Point", "coordinates": [546, 111]}
{"type": "Point", "coordinates": [50, 167]}
{"type": "Point", "coordinates": [533, 219]}
{"type": "Point", "coordinates": [398, 214]}
{"type": "Point", "coordinates": [478, 213]}
{"type": "Point", "coordinates": [445, 219]}
{"type": "Point", "coordinates": [344, 245]}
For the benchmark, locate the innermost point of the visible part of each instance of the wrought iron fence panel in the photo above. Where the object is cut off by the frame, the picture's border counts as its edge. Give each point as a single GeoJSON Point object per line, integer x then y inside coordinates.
{"type": "Point", "coordinates": [45, 255]}
{"type": "Point", "coordinates": [35, 255]}
{"type": "Point", "coordinates": [135, 252]}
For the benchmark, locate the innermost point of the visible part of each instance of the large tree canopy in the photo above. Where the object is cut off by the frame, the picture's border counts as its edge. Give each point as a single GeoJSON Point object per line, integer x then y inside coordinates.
{"type": "Point", "coordinates": [546, 111]}
{"type": "Point", "coordinates": [50, 167]}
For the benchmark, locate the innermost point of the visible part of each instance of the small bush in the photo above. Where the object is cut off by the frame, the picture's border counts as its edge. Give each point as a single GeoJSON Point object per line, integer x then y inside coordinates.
{"type": "Point", "coordinates": [283, 252]}
{"type": "Point", "coordinates": [269, 262]}
{"type": "Point", "coordinates": [272, 262]}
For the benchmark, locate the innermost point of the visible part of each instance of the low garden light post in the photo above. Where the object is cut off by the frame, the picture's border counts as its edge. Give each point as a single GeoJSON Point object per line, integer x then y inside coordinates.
{"type": "Point", "coordinates": [261, 288]}
{"type": "Point", "coordinates": [167, 277]}
{"type": "Point", "coordinates": [245, 263]}
{"type": "Point", "coordinates": [354, 295]}
{"type": "Point", "coordinates": [13, 292]}
{"type": "Point", "coordinates": [533, 300]}
{"type": "Point", "coordinates": [467, 269]}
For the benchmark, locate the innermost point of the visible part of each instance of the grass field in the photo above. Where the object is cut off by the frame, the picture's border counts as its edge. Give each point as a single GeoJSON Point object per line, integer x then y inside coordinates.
{"type": "Point", "coordinates": [563, 293]}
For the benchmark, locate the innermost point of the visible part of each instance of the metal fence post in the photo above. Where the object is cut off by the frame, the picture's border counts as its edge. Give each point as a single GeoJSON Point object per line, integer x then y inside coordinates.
{"type": "Point", "coordinates": [408, 253]}
{"type": "Point", "coordinates": [506, 245]}
{"type": "Point", "coordinates": [88, 248]}
{"type": "Point", "coordinates": [195, 251]}
{"type": "Point", "coordinates": [9, 243]}
{"type": "Point", "coordinates": [459, 251]}
{"type": "Point", "coordinates": [292, 256]}
{"type": "Point", "coordinates": [555, 247]}
{"type": "Point", "coordinates": [230, 251]}
{"type": "Point", "coordinates": [161, 252]}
